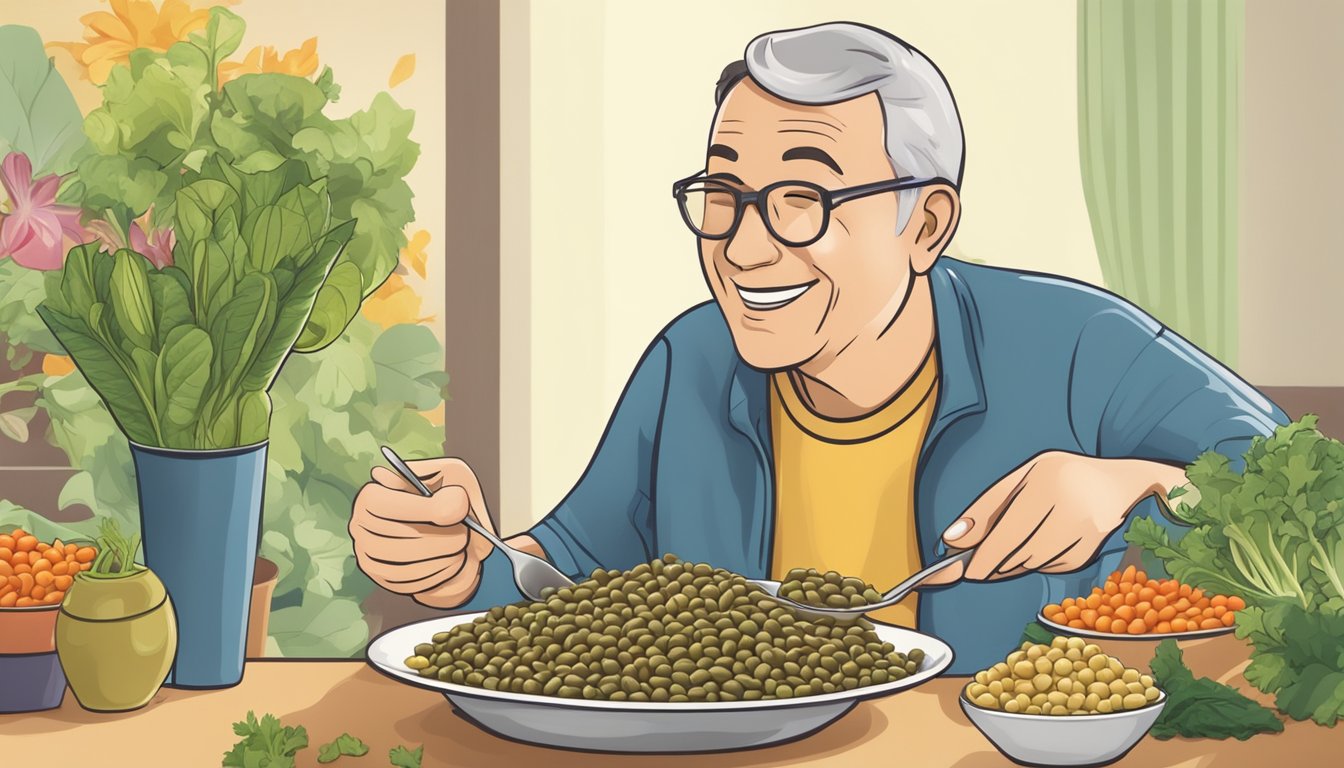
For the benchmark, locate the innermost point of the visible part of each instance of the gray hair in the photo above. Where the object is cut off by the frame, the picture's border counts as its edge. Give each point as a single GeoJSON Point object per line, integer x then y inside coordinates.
{"type": "Point", "coordinates": [836, 62]}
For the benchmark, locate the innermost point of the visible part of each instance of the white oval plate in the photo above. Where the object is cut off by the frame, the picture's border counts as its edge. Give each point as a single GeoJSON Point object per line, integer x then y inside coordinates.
{"type": "Point", "coordinates": [625, 726]}
{"type": "Point", "coordinates": [1063, 629]}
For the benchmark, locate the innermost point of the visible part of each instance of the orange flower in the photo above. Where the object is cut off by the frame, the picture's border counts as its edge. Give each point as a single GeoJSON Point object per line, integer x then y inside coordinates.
{"type": "Point", "coordinates": [109, 37]}
{"type": "Point", "coordinates": [395, 301]}
{"type": "Point", "coordinates": [300, 62]}
{"type": "Point", "coordinates": [57, 365]}
{"type": "Point", "coordinates": [413, 254]}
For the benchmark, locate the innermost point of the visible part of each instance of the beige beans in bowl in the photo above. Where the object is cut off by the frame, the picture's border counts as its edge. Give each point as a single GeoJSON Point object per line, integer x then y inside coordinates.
{"type": "Point", "coordinates": [1066, 703]}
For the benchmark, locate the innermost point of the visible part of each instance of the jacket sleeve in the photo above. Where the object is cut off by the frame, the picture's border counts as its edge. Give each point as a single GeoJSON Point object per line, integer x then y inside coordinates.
{"type": "Point", "coordinates": [1138, 390]}
{"type": "Point", "coordinates": [606, 520]}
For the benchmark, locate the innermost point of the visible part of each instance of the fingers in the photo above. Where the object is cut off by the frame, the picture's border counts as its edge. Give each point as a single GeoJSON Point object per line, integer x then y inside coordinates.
{"type": "Point", "coordinates": [406, 551]}
{"type": "Point", "coordinates": [446, 507]}
{"type": "Point", "coordinates": [1010, 538]}
{"type": "Point", "coordinates": [975, 523]}
{"type": "Point", "coordinates": [373, 525]}
{"type": "Point", "coordinates": [413, 578]}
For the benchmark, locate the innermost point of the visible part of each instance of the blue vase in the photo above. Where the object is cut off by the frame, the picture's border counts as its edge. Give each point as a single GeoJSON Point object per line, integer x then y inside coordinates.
{"type": "Point", "coordinates": [200, 518]}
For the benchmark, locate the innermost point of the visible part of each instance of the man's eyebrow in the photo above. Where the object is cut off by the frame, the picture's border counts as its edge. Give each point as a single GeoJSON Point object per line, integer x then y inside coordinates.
{"type": "Point", "coordinates": [812, 153]}
{"type": "Point", "coordinates": [727, 177]}
{"type": "Point", "coordinates": [724, 151]}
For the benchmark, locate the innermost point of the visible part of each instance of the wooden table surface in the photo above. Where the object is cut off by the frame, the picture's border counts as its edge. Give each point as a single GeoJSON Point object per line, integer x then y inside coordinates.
{"type": "Point", "coordinates": [917, 728]}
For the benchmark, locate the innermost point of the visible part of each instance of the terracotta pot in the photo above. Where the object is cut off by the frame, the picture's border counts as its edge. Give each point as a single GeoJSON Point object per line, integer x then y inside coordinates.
{"type": "Point", "coordinates": [264, 578]}
{"type": "Point", "coordinates": [116, 638]}
{"type": "Point", "coordinates": [28, 662]}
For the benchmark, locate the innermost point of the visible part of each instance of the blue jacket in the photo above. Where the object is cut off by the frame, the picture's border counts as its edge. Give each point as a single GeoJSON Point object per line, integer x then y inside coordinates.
{"type": "Point", "coordinates": [1027, 363]}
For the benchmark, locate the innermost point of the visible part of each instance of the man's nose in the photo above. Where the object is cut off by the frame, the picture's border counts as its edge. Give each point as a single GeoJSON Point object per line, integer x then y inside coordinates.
{"type": "Point", "coordinates": [751, 247]}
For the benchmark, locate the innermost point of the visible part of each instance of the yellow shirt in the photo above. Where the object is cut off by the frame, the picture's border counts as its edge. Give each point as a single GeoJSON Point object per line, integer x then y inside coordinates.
{"type": "Point", "coordinates": [845, 489]}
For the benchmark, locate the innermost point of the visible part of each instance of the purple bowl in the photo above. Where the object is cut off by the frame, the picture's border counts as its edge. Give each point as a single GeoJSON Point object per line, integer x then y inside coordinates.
{"type": "Point", "coordinates": [32, 682]}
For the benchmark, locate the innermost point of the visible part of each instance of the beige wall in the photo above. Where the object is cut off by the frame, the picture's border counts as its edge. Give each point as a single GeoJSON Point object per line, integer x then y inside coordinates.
{"type": "Point", "coordinates": [1292, 245]}
{"type": "Point", "coordinates": [619, 98]}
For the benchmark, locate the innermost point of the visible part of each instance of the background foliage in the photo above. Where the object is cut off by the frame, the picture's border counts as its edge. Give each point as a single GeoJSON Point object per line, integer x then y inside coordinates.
{"type": "Point", "coordinates": [377, 383]}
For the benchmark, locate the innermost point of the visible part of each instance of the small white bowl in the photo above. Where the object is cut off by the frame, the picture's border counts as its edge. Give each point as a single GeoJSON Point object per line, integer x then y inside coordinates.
{"type": "Point", "coordinates": [1071, 740]}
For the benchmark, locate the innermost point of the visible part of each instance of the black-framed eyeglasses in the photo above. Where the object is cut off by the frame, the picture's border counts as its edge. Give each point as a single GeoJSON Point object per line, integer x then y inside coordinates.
{"type": "Point", "coordinates": [796, 213]}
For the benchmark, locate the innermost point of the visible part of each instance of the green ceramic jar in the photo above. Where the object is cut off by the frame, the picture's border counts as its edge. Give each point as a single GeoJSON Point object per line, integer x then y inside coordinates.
{"type": "Point", "coordinates": [116, 638]}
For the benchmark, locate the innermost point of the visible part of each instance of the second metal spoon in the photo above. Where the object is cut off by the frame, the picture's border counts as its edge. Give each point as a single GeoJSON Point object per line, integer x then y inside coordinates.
{"type": "Point", "coordinates": [896, 595]}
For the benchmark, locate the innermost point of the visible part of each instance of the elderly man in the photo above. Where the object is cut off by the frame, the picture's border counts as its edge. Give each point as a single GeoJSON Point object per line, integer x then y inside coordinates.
{"type": "Point", "coordinates": [852, 400]}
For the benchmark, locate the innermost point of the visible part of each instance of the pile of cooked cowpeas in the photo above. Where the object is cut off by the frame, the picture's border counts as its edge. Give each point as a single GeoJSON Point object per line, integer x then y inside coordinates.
{"type": "Point", "coordinates": [808, 586]}
{"type": "Point", "coordinates": [1067, 677]}
{"type": "Point", "coordinates": [664, 631]}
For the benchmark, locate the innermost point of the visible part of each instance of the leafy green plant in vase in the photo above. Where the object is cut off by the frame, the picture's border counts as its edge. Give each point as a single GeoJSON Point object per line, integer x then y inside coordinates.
{"type": "Point", "coordinates": [183, 356]}
{"type": "Point", "coordinates": [116, 633]}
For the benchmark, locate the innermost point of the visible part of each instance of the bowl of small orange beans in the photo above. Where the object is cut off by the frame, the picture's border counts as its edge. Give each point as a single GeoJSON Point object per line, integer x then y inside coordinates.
{"type": "Point", "coordinates": [1131, 605]}
{"type": "Point", "coordinates": [34, 576]}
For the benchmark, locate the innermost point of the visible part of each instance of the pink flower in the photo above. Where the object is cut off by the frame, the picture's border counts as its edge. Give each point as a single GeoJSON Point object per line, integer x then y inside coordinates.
{"type": "Point", "coordinates": [155, 244]}
{"type": "Point", "coordinates": [34, 232]}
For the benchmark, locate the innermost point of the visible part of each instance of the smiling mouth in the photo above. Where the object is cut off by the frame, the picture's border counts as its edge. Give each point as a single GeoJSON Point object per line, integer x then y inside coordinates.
{"type": "Point", "coordinates": [765, 299]}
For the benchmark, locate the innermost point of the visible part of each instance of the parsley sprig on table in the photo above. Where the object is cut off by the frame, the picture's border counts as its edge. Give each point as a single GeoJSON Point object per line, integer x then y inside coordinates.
{"type": "Point", "coordinates": [266, 743]}
{"type": "Point", "coordinates": [1204, 708]}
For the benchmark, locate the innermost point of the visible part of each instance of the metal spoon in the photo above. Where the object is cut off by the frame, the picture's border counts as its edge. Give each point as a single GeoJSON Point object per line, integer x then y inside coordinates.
{"type": "Point", "coordinates": [896, 595]}
{"type": "Point", "coordinates": [530, 573]}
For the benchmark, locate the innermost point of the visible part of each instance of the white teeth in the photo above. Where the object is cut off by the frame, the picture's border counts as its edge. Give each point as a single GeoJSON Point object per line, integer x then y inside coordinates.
{"type": "Point", "coordinates": [771, 299]}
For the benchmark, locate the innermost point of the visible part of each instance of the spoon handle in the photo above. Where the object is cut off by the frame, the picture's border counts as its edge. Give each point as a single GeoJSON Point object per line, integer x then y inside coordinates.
{"type": "Point", "coordinates": [899, 591]}
{"type": "Point", "coordinates": [411, 478]}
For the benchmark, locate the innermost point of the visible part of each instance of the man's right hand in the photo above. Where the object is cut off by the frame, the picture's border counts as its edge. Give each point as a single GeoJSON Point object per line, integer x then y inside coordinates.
{"type": "Point", "coordinates": [417, 545]}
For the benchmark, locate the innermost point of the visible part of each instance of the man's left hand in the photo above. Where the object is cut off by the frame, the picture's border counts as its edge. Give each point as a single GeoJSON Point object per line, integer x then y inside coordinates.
{"type": "Point", "coordinates": [1051, 514]}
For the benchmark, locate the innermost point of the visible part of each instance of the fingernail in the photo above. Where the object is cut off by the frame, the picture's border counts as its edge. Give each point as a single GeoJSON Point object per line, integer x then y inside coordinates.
{"type": "Point", "coordinates": [957, 530]}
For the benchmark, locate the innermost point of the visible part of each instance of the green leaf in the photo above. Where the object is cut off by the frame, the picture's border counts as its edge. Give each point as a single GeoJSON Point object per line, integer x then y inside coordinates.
{"type": "Point", "coordinates": [132, 303]}
{"type": "Point", "coordinates": [274, 234]}
{"type": "Point", "coordinates": [409, 366]}
{"type": "Point", "coordinates": [402, 757]}
{"type": "Point", "coordinates": [14, 516]}
{"type": "Point", "coordinates": [236, 329]}
{"type": "Point", "coordinates": [337, 302]}
{"type": "Point", "coordinates": [344, 745]}
{"type": "Point", "coordinates": [261, 160]}
{"type": "Point", "coordinates": [254, 417]}
{"type": "Point", "coordinates": [14, 426]}
{"type": "Point", "coordinates": [222, 35]}
{"type": "Point", "coordinates": [202, 206]}
{"type": "Point", "coordinates": [100, 367]}
{"type": "Point", "coordinates": [184, 369]}
{"type": "Point", "coordinates": [168, 289]}
{"type": "Point", "coordinates": [337, 623]}
{"type": "Point", "coordinates": [38, 115]}
{"type": "Point", "coordinates": [1203, 708]}
{"type": "Point", "coordinates": [295, 307]}
{"type": "Point", "coordinates": [265, 743]}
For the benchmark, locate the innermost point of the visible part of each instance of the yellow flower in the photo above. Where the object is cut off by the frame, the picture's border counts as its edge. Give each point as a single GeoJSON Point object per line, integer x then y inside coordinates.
{"type": "Point", "coordinates": [109, 37]}
{"type": "Point", "coordinates": [434, 415]}
{"type": "Point", "coordinates": [57, 365]}
{"type": "Point", "coordinates": [414, 252]}
{"type": "Point", "coordinates": [402, 70]}
{"type": "Point", "coordinates": [300, 62]}
{"type": "Point", "coordinates": [393, 303]}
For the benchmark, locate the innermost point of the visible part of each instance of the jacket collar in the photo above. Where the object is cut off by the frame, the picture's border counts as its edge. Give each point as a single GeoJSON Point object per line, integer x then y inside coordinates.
{"type": "Point", "coordinates": [960, 385]}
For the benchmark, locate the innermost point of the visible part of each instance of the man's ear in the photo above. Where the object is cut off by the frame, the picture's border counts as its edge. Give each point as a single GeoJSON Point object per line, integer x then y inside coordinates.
{"type": "Point", "coordinates": [933, 223]}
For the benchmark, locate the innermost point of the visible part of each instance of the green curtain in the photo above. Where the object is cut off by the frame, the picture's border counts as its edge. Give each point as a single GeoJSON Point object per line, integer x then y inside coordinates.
{"type": "Point", "coordinates": [1159, 86]}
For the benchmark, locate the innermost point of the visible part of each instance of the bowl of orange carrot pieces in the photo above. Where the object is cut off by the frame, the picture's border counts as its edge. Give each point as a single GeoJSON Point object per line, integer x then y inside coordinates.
{"type": "Point", "coordinates": [1132, 606]}
{"type": "Point", "coordinates": [34, 577]}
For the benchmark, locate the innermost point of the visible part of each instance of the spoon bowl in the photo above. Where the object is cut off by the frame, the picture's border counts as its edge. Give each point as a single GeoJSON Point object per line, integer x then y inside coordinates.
{"type": "Point", "coordinates": [894, 596]}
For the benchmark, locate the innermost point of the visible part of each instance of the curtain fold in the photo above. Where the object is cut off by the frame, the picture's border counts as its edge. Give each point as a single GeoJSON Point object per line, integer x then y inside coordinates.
{"type": "Point", "coordinates": [1159, 85]}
